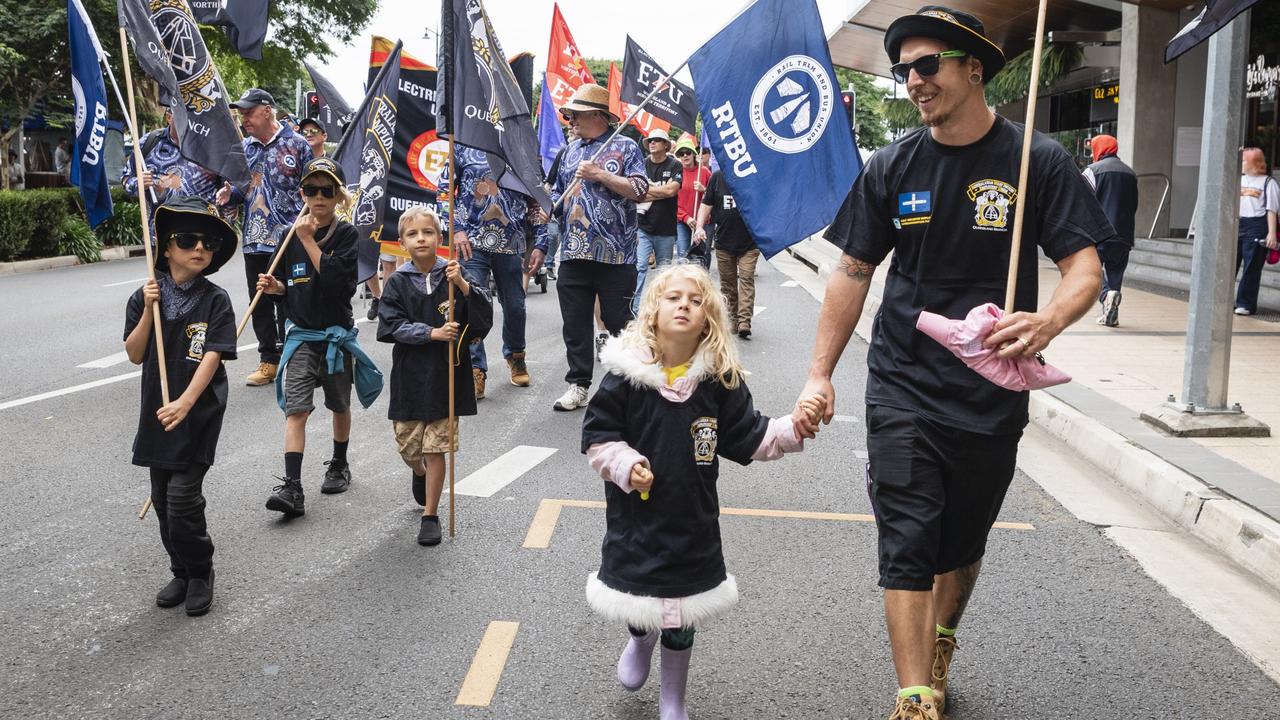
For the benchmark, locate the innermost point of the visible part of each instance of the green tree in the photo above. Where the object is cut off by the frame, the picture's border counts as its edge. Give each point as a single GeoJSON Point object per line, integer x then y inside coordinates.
{"type": "Point", "coordinates": [868, 113]}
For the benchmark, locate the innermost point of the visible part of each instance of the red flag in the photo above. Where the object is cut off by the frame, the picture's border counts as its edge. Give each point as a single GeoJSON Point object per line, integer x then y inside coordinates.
{"type": "Point", "coordinates": [643, 121]}
{"type": "Point", "coordinates": [566, 68]}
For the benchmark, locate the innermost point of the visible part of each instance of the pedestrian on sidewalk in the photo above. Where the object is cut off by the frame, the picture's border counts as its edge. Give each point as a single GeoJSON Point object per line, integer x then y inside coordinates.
{"type": "Point", "coordinates": [275, 155]}
{"type": "Point", "coordinates": [693, 184]}
{"type": "Point", "coordinates": [1259, 203]}
{"type": "Point", "coordinates": [942, 440]}
{"type": "Point", "coordinates": [597, 218]}
{"type": "Point", "coordinates": [657, 211]}
{"type": "Point", "coordinates": [489, 235]}
{"type": "Point", "coordinates": [674, 401]}
{"type": "Point", "coordinates": [1116, 187]}
{"type": "Point", "coordinates": [177, 441]}
{"type": "Point", "coordinates": [736, 253]}
{"type": "Point", "coordinates": [413, 315]}
{"type": "Point", "coordinates": [313, 283]}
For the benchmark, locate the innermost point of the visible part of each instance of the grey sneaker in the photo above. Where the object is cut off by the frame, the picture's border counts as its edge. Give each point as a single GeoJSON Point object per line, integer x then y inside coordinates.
{"type": "Point", "coordinates": [288, 498]}
{"type": "Point", "coordinates": [1111, 308]}
{"type": "Point", "coordinates": [572, 399]}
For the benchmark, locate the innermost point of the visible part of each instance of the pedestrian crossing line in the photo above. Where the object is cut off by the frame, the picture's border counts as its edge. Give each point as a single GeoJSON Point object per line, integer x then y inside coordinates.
{"type": "Point", "coordinates": [503, 470]}
{"type": "Point", "coordinates": [543, 526]}
{"type": "Point", "coordinates": [482, 679]}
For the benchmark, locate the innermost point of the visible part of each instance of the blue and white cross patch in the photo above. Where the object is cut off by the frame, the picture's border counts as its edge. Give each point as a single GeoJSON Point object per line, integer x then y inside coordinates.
{"type": "Point", "coordinates": [914, 203]}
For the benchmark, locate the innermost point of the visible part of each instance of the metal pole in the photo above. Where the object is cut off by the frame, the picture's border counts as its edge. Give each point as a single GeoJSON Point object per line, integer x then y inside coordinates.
{"type": "Point", "coordinates": [1209, 318]}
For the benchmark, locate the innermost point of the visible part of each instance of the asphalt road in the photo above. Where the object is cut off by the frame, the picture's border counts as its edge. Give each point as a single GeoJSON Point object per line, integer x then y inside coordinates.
{"type": "Point", "coordinates": [341, 615]}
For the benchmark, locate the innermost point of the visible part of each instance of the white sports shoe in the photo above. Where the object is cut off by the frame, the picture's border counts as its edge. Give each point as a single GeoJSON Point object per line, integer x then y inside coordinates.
{"type": "Point", "coordinates": [572, 399]}
{"type": "Point", "coordinates": [1242, 311]}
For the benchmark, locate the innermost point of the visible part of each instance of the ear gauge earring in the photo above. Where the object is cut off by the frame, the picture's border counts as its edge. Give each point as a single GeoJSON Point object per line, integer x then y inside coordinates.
{"type": "Point", "coordinates": [975, 79]}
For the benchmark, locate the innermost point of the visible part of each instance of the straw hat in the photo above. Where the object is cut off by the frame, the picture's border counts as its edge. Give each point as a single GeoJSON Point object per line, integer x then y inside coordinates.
{"type": "Point", "coordinates": [587, 98]}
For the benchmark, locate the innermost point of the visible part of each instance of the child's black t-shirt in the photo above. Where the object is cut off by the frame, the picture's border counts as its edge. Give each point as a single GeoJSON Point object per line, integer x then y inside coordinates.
{"type": "Point", "coordinates": [317, 300]}
{"type": "Point", "coordinates": [209, 326]}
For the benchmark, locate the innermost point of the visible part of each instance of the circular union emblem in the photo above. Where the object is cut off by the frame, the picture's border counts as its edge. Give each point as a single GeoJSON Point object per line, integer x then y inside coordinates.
{"type": "Point", "coordinates": [426, 158]}
{"type": "Point", "coordinates": [82, 110]}
{"type": "Point", "coordinates": [179, 33]}
{"type": "Point", "coordinates": [791, 104]}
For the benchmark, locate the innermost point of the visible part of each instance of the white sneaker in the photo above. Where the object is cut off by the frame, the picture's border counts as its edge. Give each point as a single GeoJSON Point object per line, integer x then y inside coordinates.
{"type": "Point", "coordinates": [1242, 311]}
{"type": "Point", "coordinates": [572, 399]}
{"type": "Point", "coordinates": [1111, 308]}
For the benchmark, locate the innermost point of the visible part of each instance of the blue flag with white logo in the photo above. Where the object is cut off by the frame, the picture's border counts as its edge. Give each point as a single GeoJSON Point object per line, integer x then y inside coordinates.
{"type": "Point", "coordinates": [89, 166]}
{"type": "Point", "coordinates": [771, 104]}
{"type": "Point", "coordinates": [550, 136]}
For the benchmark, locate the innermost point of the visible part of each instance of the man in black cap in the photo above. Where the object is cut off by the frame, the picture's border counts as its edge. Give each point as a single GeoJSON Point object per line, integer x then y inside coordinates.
{"type": "Point", "coordinates": [941, 439]}
{"type": "Point", "coordinates": [314, 133]}
{"type": "Point", "coordinates": [276, 155]}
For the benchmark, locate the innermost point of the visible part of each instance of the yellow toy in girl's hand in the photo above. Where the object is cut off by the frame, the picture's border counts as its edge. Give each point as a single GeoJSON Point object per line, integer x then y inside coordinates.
{"type": "Point", "coordinates": [641, 479]}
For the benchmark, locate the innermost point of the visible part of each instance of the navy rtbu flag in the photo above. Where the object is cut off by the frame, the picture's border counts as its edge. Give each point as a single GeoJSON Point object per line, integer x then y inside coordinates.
{"type": "Point", "coordinates": [169, 48]}
{"type": "Point", "coordinates": [772, 108]}
{"type": "Point", "coordinates": [365, 157]}
{"type": "Point", "coordinates": [89, 167]}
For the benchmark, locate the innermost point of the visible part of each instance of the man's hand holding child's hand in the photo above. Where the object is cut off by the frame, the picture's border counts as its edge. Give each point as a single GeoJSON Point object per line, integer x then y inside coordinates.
{"type": "Point", "coordinates": [814, 407]}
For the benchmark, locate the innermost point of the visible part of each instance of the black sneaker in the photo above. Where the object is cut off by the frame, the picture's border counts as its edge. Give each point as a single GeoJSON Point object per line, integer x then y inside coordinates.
{"type": "Point", "coordinates": [337, 478]}
{"type": "Point", "coordinates": [429, 533]}
{"type": "Point", "coordinates": [173, 594]}
{"type": "Point", "coordinates": [373, 310]}
{"type": "Point", "coordinates": [419, 485]}
{"type": "Point", "coordinates": [288, 498]}
{"type": "Point", "coordinates": [200, 595]}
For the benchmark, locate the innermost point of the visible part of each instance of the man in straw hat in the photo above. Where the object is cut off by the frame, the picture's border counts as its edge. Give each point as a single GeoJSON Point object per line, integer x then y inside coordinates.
{"type": "Point", "coordinates": [596, 205]}
{"type": "Point", "coordinates": [942, 440]}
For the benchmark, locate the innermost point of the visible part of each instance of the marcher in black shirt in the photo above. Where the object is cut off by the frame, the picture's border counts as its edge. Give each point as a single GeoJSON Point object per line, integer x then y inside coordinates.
{"type": "Point", "coordinates": [736, 252]}
{"type": "Point", "coordinates": [942, 440]}
{"type": "Point", "coordinates": [656, 214]}
{"type": "Point", "coordinates": [177, 441]}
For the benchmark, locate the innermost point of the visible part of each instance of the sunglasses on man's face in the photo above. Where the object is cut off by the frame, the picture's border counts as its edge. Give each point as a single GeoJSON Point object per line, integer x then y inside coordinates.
{"type": "Point", "coordinates": [310, 132]}
{"type": "Point", "coordinates": [313, 190]}
{"type": "Point", "coordinates": [926, 66]}
{"type": "Point", "coordinates": [188, 240]}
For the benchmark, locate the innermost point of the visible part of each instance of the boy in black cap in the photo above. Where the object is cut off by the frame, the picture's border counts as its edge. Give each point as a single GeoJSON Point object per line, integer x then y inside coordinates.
{"type": "Point", "coordinates": [314, 282]}
{"type": "Point", "coordinates": [177, 441]}
{"type": "Point", "coordinates": [942, 441]}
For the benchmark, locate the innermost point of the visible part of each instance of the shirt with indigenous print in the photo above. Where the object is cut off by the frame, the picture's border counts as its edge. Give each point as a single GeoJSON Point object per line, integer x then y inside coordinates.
{"type": "Point", "coordinates": [272, 202]}
{"type": "Point", "coordinates": [172, 175]}
{"type": "Point", "coordinates": [595, 222]}
{"type": "Point", "coordinates": [495, 219]}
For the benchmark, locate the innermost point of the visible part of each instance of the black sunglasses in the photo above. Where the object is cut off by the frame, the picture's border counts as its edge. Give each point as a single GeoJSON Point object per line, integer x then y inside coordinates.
{"type": "Point", "coordinates": [684, 153]}
{"type": "Point", "coordinates": [926, 66]}
{"type": "Point", "coordinates": [312, 190]}
{"type": "Point", "coordinates": [188, 240]}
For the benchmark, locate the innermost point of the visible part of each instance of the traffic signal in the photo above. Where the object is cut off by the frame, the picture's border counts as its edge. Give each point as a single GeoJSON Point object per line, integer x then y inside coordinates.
{"type": "Point", "coordinates": [313, 105]}
{"type": "Point", "coordinates": [849, 100]}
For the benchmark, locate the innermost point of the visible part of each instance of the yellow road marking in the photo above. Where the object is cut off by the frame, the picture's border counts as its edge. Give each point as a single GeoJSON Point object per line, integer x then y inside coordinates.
{"type": "Point", "coordinates": [548, 514]}
{"type": "Point", "coordinates": [487, 666]}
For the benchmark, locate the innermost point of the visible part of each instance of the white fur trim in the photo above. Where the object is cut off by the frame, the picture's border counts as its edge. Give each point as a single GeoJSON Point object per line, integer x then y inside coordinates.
{"type": "Point", "coordinates": [636, 364]}
{"type": "Point", "coordinates": [645, 613]}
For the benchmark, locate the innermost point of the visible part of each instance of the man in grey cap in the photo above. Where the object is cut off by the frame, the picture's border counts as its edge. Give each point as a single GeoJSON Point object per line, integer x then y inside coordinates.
{"type": "Point", "coordinates": [275, 154]}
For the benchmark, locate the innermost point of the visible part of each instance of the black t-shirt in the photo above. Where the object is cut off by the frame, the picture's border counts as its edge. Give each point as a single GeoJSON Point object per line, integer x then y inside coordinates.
{"type": "Point", "coordinates": [947, 214]}
{"type": "Point", "coordinates": [661, 216]}
{"type": "Point", "coordinates": [209, 326]}
{"type": "Point", "coordinates": [317, 300]}
{"type": "Point", "coordinates": [732, 235]}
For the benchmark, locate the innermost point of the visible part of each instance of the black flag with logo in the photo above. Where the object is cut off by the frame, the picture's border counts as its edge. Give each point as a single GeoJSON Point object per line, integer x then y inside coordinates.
{"type": "Point", "coordinates": [365, 157]}
{"type": "Point", "coordinates": [244, 21]}
{"type": "Point", "coordinates": [169, 48]}
{"type": "Point", "coordinates": [1215, 16]}
{"type": "Point", "coordinates": [335, 114]}
{"type": "Point", "coordinates": [675, 103]}
{"type": "Point", "coordinates": [480, 101]}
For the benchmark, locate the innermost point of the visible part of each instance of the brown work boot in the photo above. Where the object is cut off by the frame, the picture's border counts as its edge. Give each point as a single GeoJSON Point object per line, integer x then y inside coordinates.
{"type": "Point", "coordinates": [943, 649]}
{"type": "Point", "coordinates": [478, 374]}
{"type": "Point", "coordinates": [519, 372]}
{"type": "Point", "coordinates": [915, 708]}
{"type": "Point", "coordinates": [264, 375]}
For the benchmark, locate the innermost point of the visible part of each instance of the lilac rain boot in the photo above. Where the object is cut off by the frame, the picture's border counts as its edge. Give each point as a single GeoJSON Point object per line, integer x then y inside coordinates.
{"type": "Point", "coordinates": [675, 676]}
{"type": "Point", "coordinates": [633, 666]}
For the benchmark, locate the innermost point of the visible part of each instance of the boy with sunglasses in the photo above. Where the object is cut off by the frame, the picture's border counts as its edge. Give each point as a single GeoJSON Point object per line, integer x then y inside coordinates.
{"type": "Point", "coordinates": [177, 441]}
{"type": "Point", "coordinates": [314, 282]}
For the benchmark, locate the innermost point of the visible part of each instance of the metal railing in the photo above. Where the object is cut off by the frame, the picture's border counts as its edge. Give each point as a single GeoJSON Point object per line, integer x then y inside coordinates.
{"type": "Point", "coordinates": [1164, 196]}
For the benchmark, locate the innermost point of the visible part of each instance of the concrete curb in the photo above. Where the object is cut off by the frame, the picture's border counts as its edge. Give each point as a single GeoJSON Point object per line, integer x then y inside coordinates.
{"type": "Point", "coordinates": [25, 266]}
{"type": "Point", "coordinates": [1246, 536]}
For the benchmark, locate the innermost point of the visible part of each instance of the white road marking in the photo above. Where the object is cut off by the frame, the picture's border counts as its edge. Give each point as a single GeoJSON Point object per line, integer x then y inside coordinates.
{"type": "Point", "coordinates": [69, 390]}
{"type": "Point", "coordinates": [758, 309]}
{"type": "Point", "coordinates": [844, 418]}
{"type": "Point", "coordinates": [790, 283]}
{"type": "Point", "coordinates": [116, 359]}
{"type": "Point", "coordinates": [139, 281]}
{"type": "Point", "coordinates": [503, 470]}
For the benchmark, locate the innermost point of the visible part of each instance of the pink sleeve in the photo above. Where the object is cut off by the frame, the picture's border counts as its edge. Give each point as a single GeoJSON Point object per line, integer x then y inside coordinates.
{"type": "Point", "coordinates": [779, 439]}
{"type": "Point", "coordinates": [614, 460]}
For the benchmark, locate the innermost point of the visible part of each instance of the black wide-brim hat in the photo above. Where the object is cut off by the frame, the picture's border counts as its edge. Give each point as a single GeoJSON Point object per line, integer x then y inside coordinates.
{"type": "Point", "coordinates": [960, 30]}
{"type": "Point", "coordinates": [191, 214]}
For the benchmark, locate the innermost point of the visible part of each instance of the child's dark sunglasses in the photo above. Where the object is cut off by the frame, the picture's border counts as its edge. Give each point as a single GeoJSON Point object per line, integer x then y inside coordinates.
{"type": "Point", "coordinates": [313, 190]}
{"type": "Point", "coordinates": [926, 66]}
{"type": "Point", "coordinates": [188, 240]}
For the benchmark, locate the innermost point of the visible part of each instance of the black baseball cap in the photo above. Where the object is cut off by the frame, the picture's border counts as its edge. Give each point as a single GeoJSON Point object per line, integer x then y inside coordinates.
{"type": "Point", "coordinates": [253, 97]}
{"type": "Point", "coordinates": [325, 166]}
{"type": "Point", "coordinates": [191, 214]}
{"type": "Point", "coordinates": [312, 121]}
{"type": "Point", "coordinates": [960, 30]}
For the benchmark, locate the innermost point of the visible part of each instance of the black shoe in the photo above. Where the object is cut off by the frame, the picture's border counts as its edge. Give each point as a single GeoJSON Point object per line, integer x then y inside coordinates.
{"type": "Point", "coordinates": [744, 332]}
{"type": "Point", "coordinates": [288, 498]}
{"type": "Point", "coordinates": [199, 595]}
{"type": "Point", "coordinates": [429, 533]}
{"type": "Point", "coordinates": [419, 485]}
{"type": "Point", "coordinates": [373, 310]}
{"type": "Point", "coordinates": [337, 478]}
{"type": "Point", "coordinates": [173, 594]}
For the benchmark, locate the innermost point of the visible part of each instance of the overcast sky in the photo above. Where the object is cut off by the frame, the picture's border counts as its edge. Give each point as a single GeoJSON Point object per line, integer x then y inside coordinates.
{"type": "Point", "coordinates": [670, 31]}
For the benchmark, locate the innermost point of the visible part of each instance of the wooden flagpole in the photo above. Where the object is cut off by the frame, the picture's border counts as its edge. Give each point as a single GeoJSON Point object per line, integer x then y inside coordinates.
{"type": "Point", "coordinates": [453, 420]}
{"type": "Point", "coordinates": [257, 297]}
{"type": "Point", "coordinates": [1022, 206]}
{"type": "Point", "coordinates": [697, 202]}
{"type": "Point", "coordinates": [139, 164]}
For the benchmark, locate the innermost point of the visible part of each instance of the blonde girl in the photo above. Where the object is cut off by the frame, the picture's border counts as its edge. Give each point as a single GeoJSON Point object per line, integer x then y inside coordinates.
{"type": "Point", "coordinates": [673, 403]}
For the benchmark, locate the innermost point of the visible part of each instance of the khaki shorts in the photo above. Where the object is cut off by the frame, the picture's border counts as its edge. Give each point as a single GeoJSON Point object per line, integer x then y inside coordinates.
{"type": "Point", "coordinates": [415, 438]}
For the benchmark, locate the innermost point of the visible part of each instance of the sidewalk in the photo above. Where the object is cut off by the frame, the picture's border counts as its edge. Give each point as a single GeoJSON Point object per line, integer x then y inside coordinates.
{"type": "Point", "coordinates": [1225, 491]}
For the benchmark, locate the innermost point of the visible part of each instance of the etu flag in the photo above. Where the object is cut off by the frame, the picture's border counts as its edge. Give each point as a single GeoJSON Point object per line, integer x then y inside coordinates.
{"type": "Point", "coordinates": [771, 106]}
{"type": "Point", "coordinates": [89, 167]}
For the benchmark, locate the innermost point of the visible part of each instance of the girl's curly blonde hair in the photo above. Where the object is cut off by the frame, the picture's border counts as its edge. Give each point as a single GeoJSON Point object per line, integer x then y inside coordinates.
{"type": "Point", "coordinates": [716, 346]}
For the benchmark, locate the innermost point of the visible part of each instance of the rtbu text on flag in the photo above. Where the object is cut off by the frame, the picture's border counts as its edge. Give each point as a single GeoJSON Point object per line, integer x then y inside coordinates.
{"type": "Point", "coordinates": [89, 165]}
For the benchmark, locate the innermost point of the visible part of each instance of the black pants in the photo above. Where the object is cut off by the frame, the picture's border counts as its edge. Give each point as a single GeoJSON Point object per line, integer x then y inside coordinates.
{"type": "Point", "coordinates": [179, 502]}
{"type": "Point", "coordinates": [268, 317]}
{"type": "Point", "coordinates": [1114, 256]}
{"type": "Point", "coordinates": [578, 284]}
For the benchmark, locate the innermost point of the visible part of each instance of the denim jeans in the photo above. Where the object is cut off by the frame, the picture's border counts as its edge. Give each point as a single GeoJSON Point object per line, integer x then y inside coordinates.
{"type": "Point", "coordinates": [1114, 256]}
{"type": "Point", "coordinates": [684, 238]}
{"type": "Point", "coordinates": [507, 273]}
{"type": "Point", "coordinates": [661, 246]}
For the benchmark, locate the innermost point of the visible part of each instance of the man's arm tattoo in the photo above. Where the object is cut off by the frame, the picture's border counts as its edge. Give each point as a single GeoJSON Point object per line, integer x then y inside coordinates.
{"type": "Point", "coordinates": [856, 269]}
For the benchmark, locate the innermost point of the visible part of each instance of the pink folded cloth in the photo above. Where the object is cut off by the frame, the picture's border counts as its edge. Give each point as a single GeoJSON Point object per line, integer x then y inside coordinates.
{"type": "Point", "coordinates": [964, 339]}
